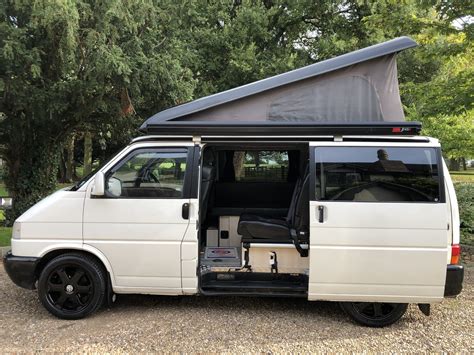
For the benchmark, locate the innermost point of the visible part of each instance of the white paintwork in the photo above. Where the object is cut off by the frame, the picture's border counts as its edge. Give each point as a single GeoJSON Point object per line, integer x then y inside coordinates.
{"type": "Point", "coordinates": [99, 185]}
{"type": "Point", "coordinates": [369, 251]}
{"type": "Point", "coordinates": [145, 244]}
{"type": "Point", "coordinates": [454, 208]}
{"type": "Point", "coordinates": [41, 247]}
{"type": "Point", "coordinates": [148, 248]}
{"type": "Point", "coordinates": [142, 238]}
{"type": "Point", "coordinates": [56, 217]}
{"type": "Point", "coordinates": [190, 251]}
{"type": "Point", "coordinates": [154, 137]}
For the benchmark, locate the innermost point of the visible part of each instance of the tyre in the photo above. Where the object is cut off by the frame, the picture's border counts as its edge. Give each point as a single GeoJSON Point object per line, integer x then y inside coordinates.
{"type": "Point", "coordinates": [72, 286]}
{"type": "Point", "coordinates": [374, 314]}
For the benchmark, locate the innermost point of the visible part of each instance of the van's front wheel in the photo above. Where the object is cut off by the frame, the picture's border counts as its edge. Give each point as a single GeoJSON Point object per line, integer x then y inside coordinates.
{"type": "Point", "coordinates": [375, 314]}
{"type": "Point", "coordinates": [72, 286]}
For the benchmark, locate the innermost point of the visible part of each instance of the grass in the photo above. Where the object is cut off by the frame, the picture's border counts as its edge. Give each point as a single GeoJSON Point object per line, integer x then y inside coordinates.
{"type": "Point", "coordinates": [5, 236]}
{"type": "Point", "coordinates": [463, 175]}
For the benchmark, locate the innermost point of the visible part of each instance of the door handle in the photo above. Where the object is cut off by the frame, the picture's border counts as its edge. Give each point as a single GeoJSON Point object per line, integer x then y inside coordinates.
{"type": "Point", "coordinates": [321, 214]}
{"type": "Point", "coordinates": [185, 211]}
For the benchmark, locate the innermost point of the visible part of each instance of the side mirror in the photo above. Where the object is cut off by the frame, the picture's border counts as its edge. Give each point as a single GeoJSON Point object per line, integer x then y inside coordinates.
{"type": "Point", "coordinates": [114, 187]}
{"type": "Point", "coordinates": [99, 184]}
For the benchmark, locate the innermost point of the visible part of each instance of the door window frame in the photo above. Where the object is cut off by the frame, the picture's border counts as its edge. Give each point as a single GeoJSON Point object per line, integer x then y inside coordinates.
{"type": "Point", "coordinates": [312, 167]}
{"type": "Point", "coordinates": [189, 184]}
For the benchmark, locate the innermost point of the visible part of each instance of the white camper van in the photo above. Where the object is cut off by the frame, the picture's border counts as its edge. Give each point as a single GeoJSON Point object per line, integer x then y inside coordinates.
{"type": "Point", "coordinates": [359, 212]}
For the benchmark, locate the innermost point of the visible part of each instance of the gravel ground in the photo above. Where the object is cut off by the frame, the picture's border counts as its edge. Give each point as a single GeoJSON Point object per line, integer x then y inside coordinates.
{"type": "Point", "coordinates": [203, 324]}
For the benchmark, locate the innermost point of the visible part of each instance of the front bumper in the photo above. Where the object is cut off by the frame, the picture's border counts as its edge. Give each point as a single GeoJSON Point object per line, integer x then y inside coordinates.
{"type": "Point", "coordinates": [21, 269]}
{"type": "Point", "coordinates": [454, 278]}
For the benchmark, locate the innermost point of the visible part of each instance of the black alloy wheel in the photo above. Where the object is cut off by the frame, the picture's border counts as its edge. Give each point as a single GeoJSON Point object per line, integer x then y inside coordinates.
{"type": "Point", "coordinates": [72, 286]}
{"type": "Point", "coordinates": [375, 314]}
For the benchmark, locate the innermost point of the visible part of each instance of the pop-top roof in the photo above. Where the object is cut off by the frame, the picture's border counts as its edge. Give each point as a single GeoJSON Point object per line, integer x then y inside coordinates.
{"type": "Point", "coordinates": [358, 87]}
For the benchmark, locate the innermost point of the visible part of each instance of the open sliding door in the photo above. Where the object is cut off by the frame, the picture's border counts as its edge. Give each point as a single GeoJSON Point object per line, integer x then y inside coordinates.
{"type": "Point", "coordinates": [378, 222]}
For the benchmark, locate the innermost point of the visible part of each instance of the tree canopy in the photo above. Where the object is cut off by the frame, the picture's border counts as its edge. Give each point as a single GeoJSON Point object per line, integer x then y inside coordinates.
{"type": "Point", "coordinates": [72, 65]}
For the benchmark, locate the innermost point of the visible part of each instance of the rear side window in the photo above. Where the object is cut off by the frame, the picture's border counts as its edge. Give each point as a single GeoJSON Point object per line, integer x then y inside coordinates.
{"type": "Point", "coordinates": [261, 166]}
{"type": "Point", "coordinates": [377, 174]}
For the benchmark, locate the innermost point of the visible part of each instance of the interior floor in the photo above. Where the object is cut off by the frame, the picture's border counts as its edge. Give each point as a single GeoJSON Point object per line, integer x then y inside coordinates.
{"type": "Point", "coordinates": [249, 238]}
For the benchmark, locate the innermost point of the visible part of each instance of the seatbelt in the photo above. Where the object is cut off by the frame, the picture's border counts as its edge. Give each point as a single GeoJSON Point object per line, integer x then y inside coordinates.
{"type": "Point", "coordinates": [247, 265]}
{"type": "Point", "coordinates": [273, 263]}
{"type": "Point", "coordinates": [294, 236]}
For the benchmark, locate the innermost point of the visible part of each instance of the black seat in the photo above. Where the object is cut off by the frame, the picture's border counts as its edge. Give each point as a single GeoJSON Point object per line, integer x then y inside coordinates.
{"type": "Point", "coordinates": [258, 229]}
{"type": "Point", "coordinates": [252, 217]}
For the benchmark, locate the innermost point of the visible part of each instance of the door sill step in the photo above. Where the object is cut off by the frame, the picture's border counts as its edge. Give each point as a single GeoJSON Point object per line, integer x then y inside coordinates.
{"type": "Point", "coordinates": [255, 284]}
{"type": "Point", "coordinates": [242, 293]}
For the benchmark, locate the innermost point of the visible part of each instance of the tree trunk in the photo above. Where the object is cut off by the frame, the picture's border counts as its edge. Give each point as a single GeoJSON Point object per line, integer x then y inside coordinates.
{"type": "Point", "coordinates": [87, 153]}
{"type": "Point", "coordinates": [62, 166]}
{"type": "Point", "coordinates": [70, 159]}
{"type": "Point", "coordinates": [464, 165]}
{"type": "Point", "coordinates": [239, 159]}
{"type": "Point", "coordinates": [454, 164]}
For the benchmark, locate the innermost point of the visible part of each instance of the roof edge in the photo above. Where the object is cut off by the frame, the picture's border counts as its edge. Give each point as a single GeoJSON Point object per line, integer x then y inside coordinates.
{"type": "Point", "coordinates": [272, 128]}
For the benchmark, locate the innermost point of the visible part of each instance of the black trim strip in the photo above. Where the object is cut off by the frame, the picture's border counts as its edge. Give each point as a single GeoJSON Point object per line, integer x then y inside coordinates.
{"type": "Point", "coordinates": [442, 187]}
{"type": "Point", "coordinates": [271, 128]}
{"type": "Point", "coordinates": [195, 163]}
{"type": "Point", "coordinates": [312, 173]}
{"type": "Point", "coordinates": [188, 174]}
{"type": "Point", "coordinates": [21, 269]}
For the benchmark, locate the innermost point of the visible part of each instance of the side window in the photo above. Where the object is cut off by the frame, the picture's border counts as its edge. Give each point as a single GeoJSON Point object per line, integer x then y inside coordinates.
{"type": "Point", "coordinates": [261, 166]}
{"type": "Point", "coordinates": [377, 174]}
{"type": "Point", "coordinates": [149, 174]}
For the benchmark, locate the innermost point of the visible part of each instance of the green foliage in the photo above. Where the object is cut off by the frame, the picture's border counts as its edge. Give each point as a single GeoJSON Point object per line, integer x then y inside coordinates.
{"type": "Point", "coordinates": [465, 195]}
{"type": "Point", "coordinates": [445, 104]}
{"type": "Point", "coordinates": [67, 65]}
{"type": "Point", "coordinates": [3, 190]}
{"type": "Point", "coordinates": [234, 44]}
{"type": "Point", "coordinates": [31, 180]}
{"type": "Point", "coordinates": [455, 133]}
{"type": "Point", "coordinates": [5, 236]}
{"type": "Point", "coordinates": [103, 67]}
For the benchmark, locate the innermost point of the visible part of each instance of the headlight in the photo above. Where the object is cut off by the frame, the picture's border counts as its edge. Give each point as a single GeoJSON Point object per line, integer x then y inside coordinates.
{"type": "Point", "coordinates": [16, 230]}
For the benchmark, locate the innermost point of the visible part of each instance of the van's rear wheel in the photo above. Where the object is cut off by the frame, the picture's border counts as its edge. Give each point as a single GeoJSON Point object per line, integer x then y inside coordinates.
{"type": "Point", "coordinates": [375, 314]}
{"type": "Point", "coordinates": [72, 286]}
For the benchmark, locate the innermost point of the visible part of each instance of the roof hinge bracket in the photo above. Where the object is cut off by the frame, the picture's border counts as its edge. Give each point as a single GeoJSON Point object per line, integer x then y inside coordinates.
{"type": "Point", "coordinates": [197, 139]}
{"type": "Point", "coordinates": [338, 139]}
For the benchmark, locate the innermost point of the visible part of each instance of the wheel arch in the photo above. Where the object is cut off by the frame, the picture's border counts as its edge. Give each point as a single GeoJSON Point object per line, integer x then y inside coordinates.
{"type": "Point", "coordinates": [50, 254]}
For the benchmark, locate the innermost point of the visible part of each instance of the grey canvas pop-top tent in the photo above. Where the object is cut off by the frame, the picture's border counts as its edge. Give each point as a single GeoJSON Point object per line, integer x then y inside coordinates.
{"type": "Point", "coordinates": [358, 89]}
